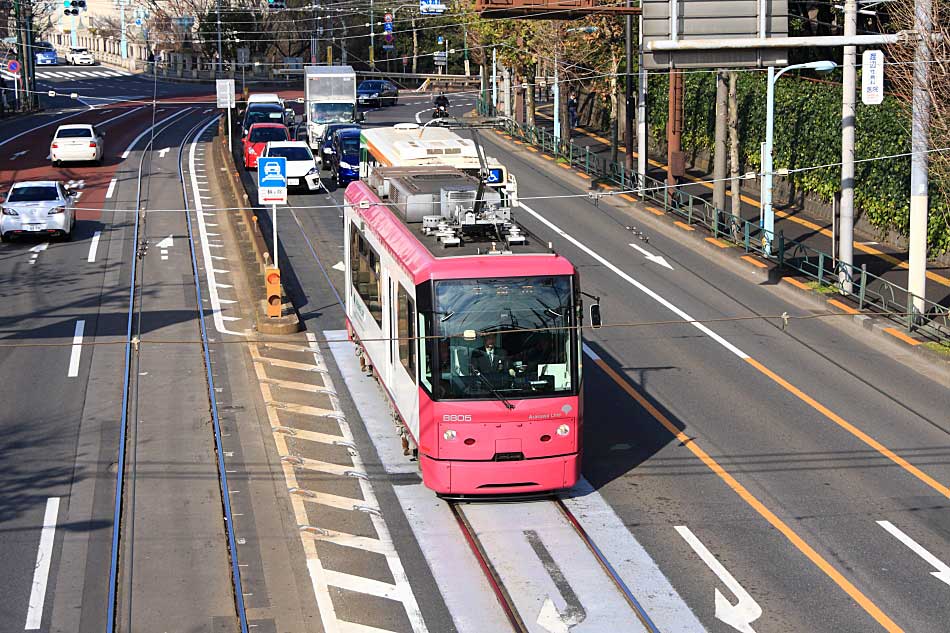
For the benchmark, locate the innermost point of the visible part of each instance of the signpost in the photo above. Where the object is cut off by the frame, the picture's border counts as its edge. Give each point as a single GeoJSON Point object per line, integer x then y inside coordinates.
{"type": "Point", "coordinates": [272, 189]}
{"type": "Point", "coordinates": [224, 91]}
{"type": "Point", "coordinates": [388, 32]}
{"type": "Point", "coordinates": [872, 77]}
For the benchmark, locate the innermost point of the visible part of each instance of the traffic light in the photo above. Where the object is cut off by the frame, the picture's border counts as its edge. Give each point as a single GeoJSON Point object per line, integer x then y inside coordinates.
{"type": "Point", "coordinates": [276, 4]}
{"type": "Point", "coordinates": [72, 7]}
{"type": "Point", "coordinates": [272, 291]}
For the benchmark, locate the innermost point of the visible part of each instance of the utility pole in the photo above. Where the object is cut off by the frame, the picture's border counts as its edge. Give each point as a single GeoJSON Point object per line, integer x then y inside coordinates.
{"type": "Point", "coordinates": [220, 54]}
{"type": "Point", "coordinates": [123, 42]}
{"type": "Point", "coordinates": [23, 46]}
{"type": "Point", "coordinates": [642, 147]}
{"type": "Point", "coordinates": [28, 60]}
{"type": "Point", "coordinates": [846, 241]}
{"type": "Point", "coordinates": [494, 81]}
{"type": "Point", "coordinates": [920, 143]}
{"type": "Point", "coordinates": [719, 154]}
{"type": "Point", "coordinates": [628, 91]}
{"type": "Point", "coordinates": [314, 47]}
{"type": "Point", "coordinates": [372, 39]}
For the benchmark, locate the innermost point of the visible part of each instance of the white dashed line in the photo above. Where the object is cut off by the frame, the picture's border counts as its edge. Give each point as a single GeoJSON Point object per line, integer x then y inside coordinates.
{"type": "Point", "coordinates": [44, 555]}
{"type": "Point", "coordinates": [76, 352]}
{"type": "Point", "coordinates": [94, 244]}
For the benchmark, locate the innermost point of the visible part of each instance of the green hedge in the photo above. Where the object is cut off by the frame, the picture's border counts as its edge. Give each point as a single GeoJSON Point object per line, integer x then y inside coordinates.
{"type": "Point", "coordinates": [807, 133]}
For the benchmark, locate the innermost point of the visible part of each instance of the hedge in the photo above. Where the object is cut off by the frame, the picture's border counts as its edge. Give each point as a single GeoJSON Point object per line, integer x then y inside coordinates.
{"type": "Point", "coordinates": [808, 133]}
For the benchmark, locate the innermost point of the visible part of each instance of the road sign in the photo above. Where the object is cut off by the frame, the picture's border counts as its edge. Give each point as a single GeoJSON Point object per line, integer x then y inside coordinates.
{"type": "Point", "coordinates": [13, 66]}
{"type": "Point", "coordinates": [440, 40]}
{"type": "Point", "coordinates": [138, 21]}
{"type": "Point", "coordinates": [431, 7]}
{"type": "Point", "coordinates": [272, 180]}
{"type": "Point", "coordinates": [872, 77]}
{"type": "Point", "coordinates": [388, 38]}
{"type": "Point", "coordinates": [225, 92]}
{"type": "Point", "coordinates": [440, 58]}
{"type": "Point", "coordinates": [388, 18]}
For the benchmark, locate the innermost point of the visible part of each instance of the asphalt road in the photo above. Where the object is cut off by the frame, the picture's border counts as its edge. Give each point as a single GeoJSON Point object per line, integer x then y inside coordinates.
{"type": "Point", "coordinates": [810, 461]}
{"type": "Point", "coordinates": [62, 401]}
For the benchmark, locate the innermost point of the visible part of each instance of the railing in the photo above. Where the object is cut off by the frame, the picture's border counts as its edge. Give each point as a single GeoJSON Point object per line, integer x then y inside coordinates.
{"type": "Point", "coordinates": [867, 290]}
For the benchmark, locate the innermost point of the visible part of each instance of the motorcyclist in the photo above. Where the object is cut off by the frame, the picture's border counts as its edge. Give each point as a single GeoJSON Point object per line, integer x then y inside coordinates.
{"type": "Point", "coordinates": [441, 101]}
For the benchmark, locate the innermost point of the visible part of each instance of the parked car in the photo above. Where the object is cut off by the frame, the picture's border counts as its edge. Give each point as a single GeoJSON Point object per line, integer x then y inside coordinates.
{"type": "Point", "coordinates": [377, 92]}
{"type": "Point", "coordinates": [76, 142]}
{"type": "Point", "coordinates": [302, 171]}
{"type": "Point", "coordinates": [260, 135]}
{"type": "Point", "coordinates": [80, 57]}
{"type": "Point", "coordinates": [261, 113]}
{"type": "Point", "coordinates": [45, 54]}
{"type": "Point", "coordinates": [41, 207]}
{"type": "Point", "coordinates": [326, 145]}
{"type": "Point", "coordinates": [345, 159]}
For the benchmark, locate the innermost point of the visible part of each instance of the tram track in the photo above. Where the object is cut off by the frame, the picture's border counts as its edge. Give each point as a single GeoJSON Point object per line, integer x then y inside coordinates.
{"type": "Point", "coordinates": [518, 620]}
{"type": "Point", "coordinates": [120, 614]}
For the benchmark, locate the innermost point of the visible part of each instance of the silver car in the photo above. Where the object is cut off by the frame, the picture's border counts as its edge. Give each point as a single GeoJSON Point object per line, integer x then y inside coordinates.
{"type": "Point", "coordinates": [40, 207]}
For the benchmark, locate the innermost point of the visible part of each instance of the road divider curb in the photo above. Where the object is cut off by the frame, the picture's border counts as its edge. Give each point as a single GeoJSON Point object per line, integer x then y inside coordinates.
{"type": "Point", "coordinates": [256, 256]}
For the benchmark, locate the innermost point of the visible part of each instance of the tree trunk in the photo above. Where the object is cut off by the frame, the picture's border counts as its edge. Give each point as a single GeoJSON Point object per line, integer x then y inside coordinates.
{"type": "Point", "coordinates": [734, 152]}
{"type": "Point", "coordinates": [719, 157]}
{"type": "Point", "coordinates": [614, 107]}
{"type": "Point", "coordinates": [531, 76]}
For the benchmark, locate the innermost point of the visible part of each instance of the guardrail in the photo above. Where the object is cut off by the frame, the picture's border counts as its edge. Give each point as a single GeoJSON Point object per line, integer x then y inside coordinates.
{"type": "Point", "coordinates": [868, 291]}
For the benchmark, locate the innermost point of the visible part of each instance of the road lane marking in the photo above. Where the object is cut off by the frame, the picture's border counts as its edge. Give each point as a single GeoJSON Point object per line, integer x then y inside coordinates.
{"type": "Point", "coordinates": [943, 570]}
{"type": "Point", "coordinates": [44, 554]}
{"type": "Point", "coordinates": [893, 331]}
{"type": "Point", "coordinates": [656, 259]}
{"type": "Point", "coordinates": [76, 352]}
{"type": "Point", "coordinates": [693, 445]}
{"type": "Point", "coordinates": [36, 250]}
{"type": "Point", "coordinates": [94, 246]}
{"type": "Point", "coordinates": [111, 188]}
{"type": "Point", "coordinates": [20, 153]}
{"type": "Point", "coordinates": [162, 152]}
{"type": "Point", "coordinates": [739, 616]}
{"type": "Point", "coordinates": [798, 393]}
{"type": "Point", "coordinates": [128, 150]}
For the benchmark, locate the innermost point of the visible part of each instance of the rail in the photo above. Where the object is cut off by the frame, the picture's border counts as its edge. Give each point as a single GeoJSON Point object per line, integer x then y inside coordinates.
{"type": "Point", "coordinates": [868, 291]}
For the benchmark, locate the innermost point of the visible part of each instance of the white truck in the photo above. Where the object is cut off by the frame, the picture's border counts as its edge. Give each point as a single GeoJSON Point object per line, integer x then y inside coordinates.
{"type": "Point", "coordinates": [330, 93]}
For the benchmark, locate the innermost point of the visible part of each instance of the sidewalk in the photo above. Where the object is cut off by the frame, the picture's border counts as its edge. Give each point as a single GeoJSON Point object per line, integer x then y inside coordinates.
{"type": "Point", "coordinates": [802, 244]}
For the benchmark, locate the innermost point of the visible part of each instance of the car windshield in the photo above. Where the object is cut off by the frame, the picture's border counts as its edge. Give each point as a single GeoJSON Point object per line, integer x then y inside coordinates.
{"type": "Point", "coordinates": [262, 135]}
{"type": "Point", "coordinates": [291, 153]}
{"type": "Point", "coordinates": [331, 112]}
{"type": "Point", "coordinates": [525, 339]}
{"type": "Point", "coordinates": [371, 85]}
{"type": "Point", "coordinates": [263, 116]}
{"type": "Point", "coordinates": [33, 193]}
{"type": "Point", "coordinates": [351, 145]}
{"type": "Point", "coordinates": [74, 132]}
{"type": "Point", "coordinates": [80, 50]}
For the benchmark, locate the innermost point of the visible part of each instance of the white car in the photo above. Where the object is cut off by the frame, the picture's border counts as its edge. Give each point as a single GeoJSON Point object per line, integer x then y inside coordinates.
{"type": "Point", "coordinates": [40, 207]}
{"type": "Point", "coordinates": [80, 57]}
{"type": "Point", "coordinates": [302, 169]}
{"type": "Point", "coordinates": [76, 142]}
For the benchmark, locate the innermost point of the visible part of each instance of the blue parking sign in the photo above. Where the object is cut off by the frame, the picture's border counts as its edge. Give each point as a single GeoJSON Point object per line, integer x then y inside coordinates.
{"type": "Point", "coordinates": [272, 180]}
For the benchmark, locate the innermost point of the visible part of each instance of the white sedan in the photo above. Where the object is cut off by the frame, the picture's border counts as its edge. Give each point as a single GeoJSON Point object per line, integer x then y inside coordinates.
{"type": "Point", "coordinates": [40, 207]}
{"type": "Point", "coordinates": [80, 57]}
{"type": "Point", "coordinates": [302, 168]}
{"type": "Point", "coordinates": [76, 142]}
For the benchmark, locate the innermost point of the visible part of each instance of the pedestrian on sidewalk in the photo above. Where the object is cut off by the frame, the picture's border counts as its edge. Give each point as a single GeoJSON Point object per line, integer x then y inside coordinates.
{"type": "Point", "coordinates": [572, 110]}
{"type": "Point", "coordinates": [3, 97]}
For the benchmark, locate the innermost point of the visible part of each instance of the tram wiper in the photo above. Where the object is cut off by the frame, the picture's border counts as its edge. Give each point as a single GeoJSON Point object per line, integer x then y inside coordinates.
{"type": "Point", "coordinates": [494, 391]}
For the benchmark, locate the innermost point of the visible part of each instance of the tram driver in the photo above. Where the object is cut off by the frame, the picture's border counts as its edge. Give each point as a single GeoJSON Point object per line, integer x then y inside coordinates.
{"type": "Point", "coordinates": [491, 361]}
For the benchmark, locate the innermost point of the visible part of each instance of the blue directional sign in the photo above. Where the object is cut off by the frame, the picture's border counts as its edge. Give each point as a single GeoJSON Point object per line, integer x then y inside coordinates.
{"type": "Point", "coordinates": [431, 7]}
{"type": "Point", "coordinates": [272, 180]}
{"type": "Point", "coordinates": [440, 40]}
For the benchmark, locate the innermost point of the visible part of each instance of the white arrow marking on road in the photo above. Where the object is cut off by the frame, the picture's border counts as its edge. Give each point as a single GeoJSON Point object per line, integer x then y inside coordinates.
{"type": "Point", "coordinates": [656, 259]}
{"type": "Point", "coordinates": [162, 152]}
{"type": "Point", "coordinates": [739, 616]}
{"type": "Point", "coordinates": [339, 266]}
{"type": "Point", "coordinates": [551, 619]}
{"type": "Point", "coordinates": [943, 573]}
{"type": "Point", "coordinates": [36, 250]}
{"type": "Point", "coordinates": [18, 154]}
{"type": "Point", "coordinates": [166, 244]}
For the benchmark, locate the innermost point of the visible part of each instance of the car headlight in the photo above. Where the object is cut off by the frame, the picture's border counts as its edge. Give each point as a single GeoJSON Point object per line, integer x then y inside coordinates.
{"type": "Point", "coordinates": [313, 171]}
{"type": "Point", "coordinates": [374, 95]}
{"type": "Point", "coordinates": [563, 430]}
{"type": "Point", "coordinates": [9, 211]}
{"type": "Point", "coordinates": [327, 150]}
{"type": "Point", "coordinates": [56, 210]}
{"type": "Point", "coordinates": [250, 150]}
{"type": "Point", "coordinates": [346, 165]}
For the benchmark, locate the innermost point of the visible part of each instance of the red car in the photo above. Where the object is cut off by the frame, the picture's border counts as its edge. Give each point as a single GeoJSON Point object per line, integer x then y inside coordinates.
{"type": "Point", "coordinates": [260, 135]}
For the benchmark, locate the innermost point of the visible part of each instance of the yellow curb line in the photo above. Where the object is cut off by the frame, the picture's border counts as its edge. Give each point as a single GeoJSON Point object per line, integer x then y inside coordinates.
{"type": "Point", "coordinates": [843, 306]}
{"type": "Point", "coordinates": [684, 226]}
{"type": "Point", "coordinates": [898, 334]}
{"type": "Point", "coordinates": [754, 261]}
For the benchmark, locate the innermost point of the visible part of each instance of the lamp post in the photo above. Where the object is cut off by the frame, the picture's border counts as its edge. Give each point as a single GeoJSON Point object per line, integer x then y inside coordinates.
{"type": "Point", "coordinates": [767, 221]}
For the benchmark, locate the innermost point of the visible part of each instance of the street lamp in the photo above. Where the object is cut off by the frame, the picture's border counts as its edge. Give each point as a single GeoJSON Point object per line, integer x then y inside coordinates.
{"type": "Point", "coordinates": [767, 221]}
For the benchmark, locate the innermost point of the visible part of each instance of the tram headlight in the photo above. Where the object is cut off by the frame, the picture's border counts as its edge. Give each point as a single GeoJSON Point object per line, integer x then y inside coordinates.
{"type": "Point", "coordinates": [449, 435]}
{"type": "Point", "coordinates": [563, 430]}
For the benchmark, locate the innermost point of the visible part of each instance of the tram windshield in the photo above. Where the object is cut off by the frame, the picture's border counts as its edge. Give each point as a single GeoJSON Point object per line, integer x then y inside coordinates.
{"type": "Point", "coordinates": [524, 344]}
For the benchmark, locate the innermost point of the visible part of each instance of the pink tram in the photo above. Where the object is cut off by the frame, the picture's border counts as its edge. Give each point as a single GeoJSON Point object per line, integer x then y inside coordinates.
{"type": "Point", "coordinates": [470, 325]}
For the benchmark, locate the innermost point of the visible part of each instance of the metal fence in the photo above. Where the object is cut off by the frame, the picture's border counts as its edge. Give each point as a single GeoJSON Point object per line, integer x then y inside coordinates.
{"type": "Point", "coordinates": [867, 290]}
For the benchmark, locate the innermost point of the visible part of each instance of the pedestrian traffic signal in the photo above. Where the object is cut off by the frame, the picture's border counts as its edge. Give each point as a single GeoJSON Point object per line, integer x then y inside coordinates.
{"type": "Point", "coordinates": [272, 293]}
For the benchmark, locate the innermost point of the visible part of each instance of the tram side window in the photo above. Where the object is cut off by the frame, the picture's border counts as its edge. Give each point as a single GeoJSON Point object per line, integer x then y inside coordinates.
{"type": "Point", "coordinates": [364, 262]}
{"type": "Point", "coordinates": [406, 322]}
